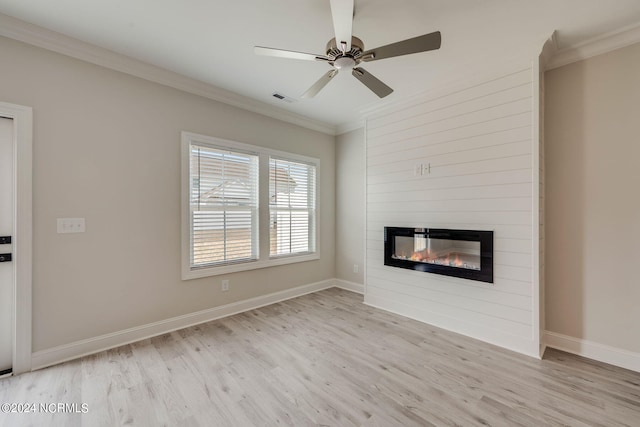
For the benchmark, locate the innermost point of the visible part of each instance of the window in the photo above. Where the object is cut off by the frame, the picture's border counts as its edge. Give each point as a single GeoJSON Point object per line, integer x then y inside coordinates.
{"type": "Point", "coordinates": [245, 207]}
{"type": "Point", "coordinates": [223, 206]}
{"type": "Point", "coordinates": [292, 206]}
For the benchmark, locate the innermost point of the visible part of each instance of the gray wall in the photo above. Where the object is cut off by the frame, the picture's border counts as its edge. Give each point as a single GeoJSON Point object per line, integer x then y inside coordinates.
{"type": "Point", "coordinates": [350, 191]}
{"type": "Point", "coordinates": [592, 112]}
{"type": "Point", "coordinates": [107, 148]}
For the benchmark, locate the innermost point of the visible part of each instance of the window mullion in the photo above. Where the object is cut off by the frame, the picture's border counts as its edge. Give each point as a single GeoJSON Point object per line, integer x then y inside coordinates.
{"type": "Point", "coordinates": [263, 207]}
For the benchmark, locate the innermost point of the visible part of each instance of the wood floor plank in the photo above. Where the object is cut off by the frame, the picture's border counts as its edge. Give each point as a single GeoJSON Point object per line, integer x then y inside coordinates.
{"type": "Point", "coordinates": [325, 359]}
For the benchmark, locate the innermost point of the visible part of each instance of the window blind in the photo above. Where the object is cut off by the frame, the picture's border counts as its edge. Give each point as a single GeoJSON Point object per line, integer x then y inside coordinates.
{"type": "Point", "coordinates": [223, 206]}
{"type": "Point", "coordinates": [292, 207]}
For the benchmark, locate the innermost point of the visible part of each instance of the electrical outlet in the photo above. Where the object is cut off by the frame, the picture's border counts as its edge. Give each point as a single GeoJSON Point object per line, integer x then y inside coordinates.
{"type": "Point", "coordinates": [225, 285]}
{"type": "Point", "coordinates": [356, 268]}
{"type": "Point", "coordinates": [422, 169]}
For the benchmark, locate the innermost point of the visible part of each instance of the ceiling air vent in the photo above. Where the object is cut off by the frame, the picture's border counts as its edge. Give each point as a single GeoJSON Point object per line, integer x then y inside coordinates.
{"type": "Point", "coordinates": [282, 97]}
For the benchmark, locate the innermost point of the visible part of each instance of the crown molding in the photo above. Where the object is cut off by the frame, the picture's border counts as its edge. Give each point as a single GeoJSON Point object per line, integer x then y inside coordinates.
{"type": "Point", "coordinates": [349, 126]}
{"type": "Point", "coordinates": [596, 46]}
{"type": "Point", "coordinates": [549, 50]}
{"type": "Point", "coordinates": [25, 32]}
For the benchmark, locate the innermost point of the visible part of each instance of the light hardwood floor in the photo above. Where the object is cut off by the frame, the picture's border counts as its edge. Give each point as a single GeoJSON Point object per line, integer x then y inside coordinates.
{"type": "Point", "coordinates": [325, 359]}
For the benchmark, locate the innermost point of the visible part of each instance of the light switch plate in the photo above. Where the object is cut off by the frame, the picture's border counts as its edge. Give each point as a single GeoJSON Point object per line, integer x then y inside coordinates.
{"type": "Point", "coordinates": [71, 225]}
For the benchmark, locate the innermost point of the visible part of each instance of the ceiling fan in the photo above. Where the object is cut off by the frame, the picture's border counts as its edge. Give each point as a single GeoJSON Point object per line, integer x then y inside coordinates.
{"type": "Point", "coordinates": [346, 52]}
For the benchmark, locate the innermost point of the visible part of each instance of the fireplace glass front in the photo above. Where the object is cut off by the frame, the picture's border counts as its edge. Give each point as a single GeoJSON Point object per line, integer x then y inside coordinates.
{"type": "Point", "coordinates": [460, 253]}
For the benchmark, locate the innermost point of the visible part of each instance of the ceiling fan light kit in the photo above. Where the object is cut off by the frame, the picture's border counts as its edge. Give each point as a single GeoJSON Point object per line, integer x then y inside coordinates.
{"type": "Point", "coordinates": [349, 52]}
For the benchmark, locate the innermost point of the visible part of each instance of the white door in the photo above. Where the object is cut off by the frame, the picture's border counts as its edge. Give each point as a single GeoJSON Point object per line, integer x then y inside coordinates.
{"type": "Point", "coordinates": [6, 227]}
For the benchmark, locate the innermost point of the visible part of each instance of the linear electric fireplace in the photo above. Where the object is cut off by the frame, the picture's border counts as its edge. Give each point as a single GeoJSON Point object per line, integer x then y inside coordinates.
{"type": "Point", "coordinates": [459, 253]}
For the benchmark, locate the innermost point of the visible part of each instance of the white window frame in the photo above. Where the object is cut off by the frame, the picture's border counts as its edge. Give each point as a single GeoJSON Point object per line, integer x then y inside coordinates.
{"type": "Point", "coordinates": [309, 209]}
{"type": "Point", "coordinates": [263, 260]}
{"type": "Point", "coordinates": [250, 206]}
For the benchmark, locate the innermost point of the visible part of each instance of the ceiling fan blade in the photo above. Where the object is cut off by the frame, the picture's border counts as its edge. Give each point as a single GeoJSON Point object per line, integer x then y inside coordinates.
{"type": "Point", "coordinates": [317, 86]}
{"type": "Point", "coordinates": [280, 53]}
{"type": "Point", "coordinates": [371, 82]}
{"type": "Point", "coordinates": [418, 44]}
{"type": "Point", "coordinates": [342, 13]}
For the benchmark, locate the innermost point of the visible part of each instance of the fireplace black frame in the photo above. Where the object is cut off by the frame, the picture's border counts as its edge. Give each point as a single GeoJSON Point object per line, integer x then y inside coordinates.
{"type": "Point", "coordinates": [485, 274]}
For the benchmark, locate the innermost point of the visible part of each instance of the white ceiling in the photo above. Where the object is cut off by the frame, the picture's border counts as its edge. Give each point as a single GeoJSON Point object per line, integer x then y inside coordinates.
{"type": "Point", "coordinates": [212, 40]}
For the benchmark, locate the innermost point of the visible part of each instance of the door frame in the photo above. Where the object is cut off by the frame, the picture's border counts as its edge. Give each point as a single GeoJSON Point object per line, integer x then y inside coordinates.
{"type": "Point", "coordinates": [22, 232]}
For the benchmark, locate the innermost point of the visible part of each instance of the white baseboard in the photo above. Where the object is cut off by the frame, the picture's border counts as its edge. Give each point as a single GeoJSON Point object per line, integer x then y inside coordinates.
{"type": "Point", "coordinates": [593, 350]}
{"type": "Point", "coordinates": [42, 359]}
{"type": "Point", "coordinates": [543, 348]}
{"type": "Point", "coordinates": [350, 286]}
{"type": "Point", "coordinates": [63, 353]}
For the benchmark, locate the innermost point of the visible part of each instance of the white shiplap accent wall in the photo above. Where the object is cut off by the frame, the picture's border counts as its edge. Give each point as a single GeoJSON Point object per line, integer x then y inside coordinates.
{"type": "Point", "coordinates": [480, 143]}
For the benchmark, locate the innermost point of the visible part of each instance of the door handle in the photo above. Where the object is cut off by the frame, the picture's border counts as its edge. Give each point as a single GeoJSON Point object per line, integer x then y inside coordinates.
{"type": "Point", "coordinates": [5, 240]}
{"type": "Point", "coordinates": [5, 257]}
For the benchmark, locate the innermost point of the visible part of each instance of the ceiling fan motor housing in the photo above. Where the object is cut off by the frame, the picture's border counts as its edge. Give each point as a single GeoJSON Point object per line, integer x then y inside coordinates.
{"type": "Point", "coordinates": [334, 51]}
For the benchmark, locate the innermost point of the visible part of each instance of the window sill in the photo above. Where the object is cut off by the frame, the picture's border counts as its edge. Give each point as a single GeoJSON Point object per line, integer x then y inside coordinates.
{"type": "Point", "coordinates": [246, 266]}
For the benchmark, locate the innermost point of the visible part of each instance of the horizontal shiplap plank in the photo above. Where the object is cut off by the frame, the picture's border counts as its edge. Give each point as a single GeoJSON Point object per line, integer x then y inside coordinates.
{"type": "Point", "coordinates": [499, 337]}
{"type": "Point", "coordinates": [443, 112]}
{"type": "Point", "coordinates": [478, 217]}
{"type": "Point", "coordinates": [480, 90]}
{"type": "Point", "coordinates": [459, 205]}
{"type": "Point", "coordinates": [473, 120]}
{"type": "Point", "coordinates": [522, 274]}
{"type": "Point", "coordinates": [497, 309]}
{"type": "Point", "coordinates": [421, 147]}
{"type": "Point", "coordinates": [483, 132]}
{"type": "Point", "coordinates": [520, 246]}
{"type": "Point", "coordinates": [521, 162]}
{"type": "Point", "coordinates": [514, 176]}
{"type": "Point", "coordinates": [512, 259]}
{"type": "Point", "coordinates": [510, 293]}
{"type": "Point", "coordinates": [511, 149]}
{"type": "Point", "coordinates": [460, 193]}
{"type": "Point", "coordinates": [452, 311]}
